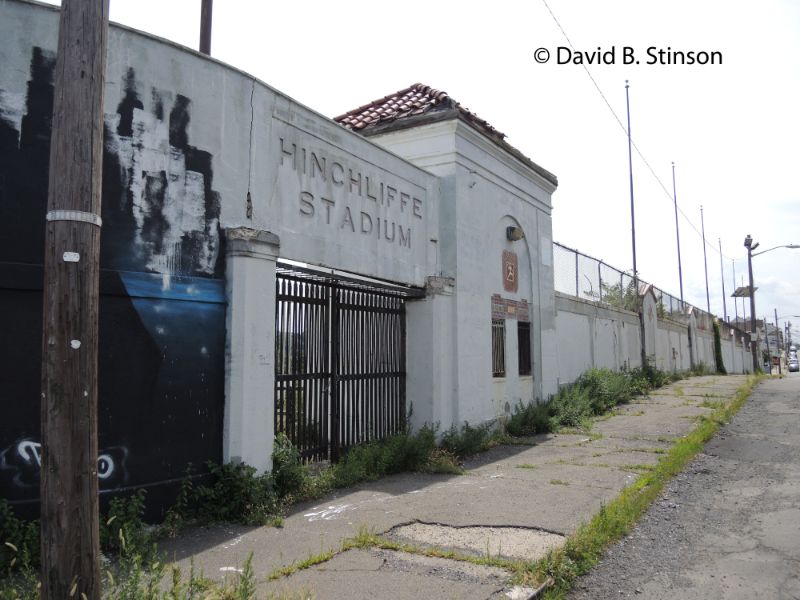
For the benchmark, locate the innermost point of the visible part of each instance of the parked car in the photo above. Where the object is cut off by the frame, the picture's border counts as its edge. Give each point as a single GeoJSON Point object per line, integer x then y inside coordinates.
{"type": "Point", "coordinates": [794, 365]}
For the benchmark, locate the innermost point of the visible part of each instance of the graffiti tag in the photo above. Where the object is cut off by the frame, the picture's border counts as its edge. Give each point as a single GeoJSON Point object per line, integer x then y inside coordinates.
{"type": "Point", "coordinates": [24, 458]}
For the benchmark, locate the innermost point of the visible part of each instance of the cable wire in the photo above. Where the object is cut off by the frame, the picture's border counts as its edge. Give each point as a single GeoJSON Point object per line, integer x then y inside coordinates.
{"type": "Point", "coordinates": [638, 151]}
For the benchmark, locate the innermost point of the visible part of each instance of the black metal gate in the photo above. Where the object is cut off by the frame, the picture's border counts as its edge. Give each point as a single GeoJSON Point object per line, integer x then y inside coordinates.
{"type": "Point", "coordinates": [339, 360]}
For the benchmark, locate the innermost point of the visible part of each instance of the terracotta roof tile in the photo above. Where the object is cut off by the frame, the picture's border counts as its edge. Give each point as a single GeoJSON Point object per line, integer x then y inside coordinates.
{"type": "Point", "coordinates": [414, 100]}
{"type": "Point", "coordinates": [414, 105]}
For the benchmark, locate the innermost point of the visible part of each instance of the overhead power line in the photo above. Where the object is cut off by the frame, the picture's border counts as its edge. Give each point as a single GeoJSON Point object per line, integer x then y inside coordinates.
{"type": "Point", "coordinates": [625, 131]}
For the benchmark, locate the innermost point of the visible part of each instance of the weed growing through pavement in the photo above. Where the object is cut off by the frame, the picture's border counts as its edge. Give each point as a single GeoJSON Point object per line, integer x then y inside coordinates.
{"type": "Point", "coordinates": [584, 548]}
{"type": "Point", "coordinates": [237, 493]}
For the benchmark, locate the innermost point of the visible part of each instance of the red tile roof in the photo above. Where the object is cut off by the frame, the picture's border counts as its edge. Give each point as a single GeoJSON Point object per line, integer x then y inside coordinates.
{"type": "Point", "coordinates": [415, 100]}
{"type": "Point", "coordinates": [419, 104]}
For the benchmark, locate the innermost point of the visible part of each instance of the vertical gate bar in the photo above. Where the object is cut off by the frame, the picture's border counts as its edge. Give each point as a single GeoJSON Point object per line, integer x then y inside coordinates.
{"type": "Point", "coordinates": [298, 337]}
{"type": "Point", "coordinates": [374, 367]}
{"type": "Point", "coordinates": [334, 395]}
{"type": "Point", "coordinates": [391, 396]}
{"type": "Point", "coordinates": [297, 412]}
{"type": "Point", "coordinates": [346, 367]}
{"type": "Point", "coordinates": [293, 341]}
{"type": "Point", "coordinates": [290, 416]}
{"type": "Point", "coordinates": [318, 369]}
{"type": "Point", "coordinates": [367, 384]}
{"type": "Point", "coordinates": [391, 382]}
{"type": "Point", "coordinates": [401, 367]}
{"type": "Point", "coordinates": [394, 404]}
{"type": "Point", "coordinates": [298, 405]}
{"type": "Point", "coordinates": [362, 405]}
{"type": "Point", "coordinates": [379, 395]}
{"type": "Point", "coordinates": [362, 359]}
{"type": "Point", "coordinates": [307, 388]}
{"type": "Point", "coordinates": [373, 361]}
{"type": "Point", "coordinates": [327, 382]}
{"type": "Point", "coordinates": [276, 399]}
{"type": "Point", "coordinates": [308, 393]}
{"type": "Point", "coordinates": [387, 321]}
{"type": "Point", "coordinates": [361, 416]}
{"type": "Point", "coordinates": [343, 360]}
{"type": "Point", "coordinates": [386, 358]}
{"type": "Point", "coordinates": [311, 371]}
{"type": "Point", "coordinates": [354, 437]}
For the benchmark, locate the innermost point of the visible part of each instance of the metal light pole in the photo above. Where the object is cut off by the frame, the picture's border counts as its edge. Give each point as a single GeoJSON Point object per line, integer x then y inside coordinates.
{"type": "Point", "coordinates": [722, 278]}
{"type": "Point", "coordinates": [677, 233]}
{"type": "Point", "coordinates": [778, 340]}
{"type": "Point", "coordinates": [643, 348]}
{"type": "Point", "coordinates": [769, 353]}
{"type": "Point", "coordinates": [705, 260]}
{"type": "Point", "coordinates": [735, 300]}
{"type": "Point", "coordinates": [748, 243]}
{"type": "Point", "coordinates": [630, 173]}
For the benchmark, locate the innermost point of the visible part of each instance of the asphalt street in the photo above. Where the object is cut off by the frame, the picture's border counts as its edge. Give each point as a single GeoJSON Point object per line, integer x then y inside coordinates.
{"type": "Point", "coordinates": [729, 525]}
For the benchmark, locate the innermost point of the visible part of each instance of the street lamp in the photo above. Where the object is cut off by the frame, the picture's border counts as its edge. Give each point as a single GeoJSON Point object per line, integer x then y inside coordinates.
{"type": "Point", "coordinates": [748, 243]}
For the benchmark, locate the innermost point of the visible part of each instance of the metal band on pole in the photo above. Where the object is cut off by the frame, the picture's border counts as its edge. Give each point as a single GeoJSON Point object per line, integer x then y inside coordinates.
{"type": "Point", "coordinates": [74, 215]}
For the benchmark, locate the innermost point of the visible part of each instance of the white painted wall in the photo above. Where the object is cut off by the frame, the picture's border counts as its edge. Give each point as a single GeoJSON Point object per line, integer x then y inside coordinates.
{"type": "Point", "coordinates": [592, 335]}
{"type": "Point", "coordinates": [484, 190]}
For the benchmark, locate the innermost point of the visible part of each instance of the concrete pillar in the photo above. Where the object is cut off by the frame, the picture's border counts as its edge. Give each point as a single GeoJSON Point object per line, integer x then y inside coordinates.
{"type": "Point", "coordinates": [249, 428]}
{"type": "Point", "coordinates": [430, 355]}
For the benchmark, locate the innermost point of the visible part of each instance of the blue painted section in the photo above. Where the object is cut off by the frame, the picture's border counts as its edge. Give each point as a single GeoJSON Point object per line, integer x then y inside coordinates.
{"type": "Point", "coordinates": [166, 287]}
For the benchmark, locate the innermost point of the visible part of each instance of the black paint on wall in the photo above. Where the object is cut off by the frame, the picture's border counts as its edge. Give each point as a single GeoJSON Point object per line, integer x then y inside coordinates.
{"type": "Point", "coordinates": [162, 325]}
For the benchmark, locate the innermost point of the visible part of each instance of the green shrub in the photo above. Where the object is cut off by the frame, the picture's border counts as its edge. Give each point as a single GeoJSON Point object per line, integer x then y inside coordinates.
{"type": "Point", "coordinates": [529, 419]}
{"type": "Point", "coordinates": [570, 407]}
{"type": "Point", "coordinates": [443, 462]}
{"type": "Point", "coordinates": [23, 537]}
{"type": "Point", "coordinates": [606, 388]}
{"type": "Point", "coordinates": [124, 525]}
{"type": "Point", "coordinates": [288, 472]}
{"type": "Point", "coordinates": [236, 494]}
{"type": "Point", "coordinates": [594, 393]}
{"type": "Point", "coordinates": [401, 452]}
{"type": "Point", "coordinates": [467, 440]}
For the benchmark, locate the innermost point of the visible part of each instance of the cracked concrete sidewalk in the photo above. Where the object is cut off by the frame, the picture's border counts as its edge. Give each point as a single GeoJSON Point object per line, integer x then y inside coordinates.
{"type": "Point", "coordinates": [514, 501]}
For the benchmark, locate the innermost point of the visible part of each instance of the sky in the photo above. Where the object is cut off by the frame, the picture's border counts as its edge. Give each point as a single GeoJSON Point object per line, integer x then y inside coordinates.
{"type": "Point", "coordinates": [732, 129]}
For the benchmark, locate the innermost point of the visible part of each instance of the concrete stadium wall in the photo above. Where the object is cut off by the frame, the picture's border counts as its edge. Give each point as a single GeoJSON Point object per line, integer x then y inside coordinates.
{"type": "Point", "coordinates": [672, 346]}
{"type": "Point", "coordinates": [591, 335]}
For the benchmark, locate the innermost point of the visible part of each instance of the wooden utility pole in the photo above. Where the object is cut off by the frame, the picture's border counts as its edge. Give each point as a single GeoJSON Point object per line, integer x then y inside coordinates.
{"type": "Point", "coordinates": [206, 11]}
{"type": "Point", "coordinates": [69, 506]}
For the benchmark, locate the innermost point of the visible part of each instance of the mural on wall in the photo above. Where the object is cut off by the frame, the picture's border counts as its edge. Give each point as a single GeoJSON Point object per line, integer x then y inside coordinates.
{"type": "Point", "coordinates": [162, 308]}
{"type": "Point", "coordinates": [165, 212]}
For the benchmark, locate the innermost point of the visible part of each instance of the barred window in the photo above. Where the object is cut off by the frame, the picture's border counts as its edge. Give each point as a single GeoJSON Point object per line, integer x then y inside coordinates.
{"type": "Point", "coordinates": [524, 345]}
{"type": "Point", "coordinates": [499, 347]}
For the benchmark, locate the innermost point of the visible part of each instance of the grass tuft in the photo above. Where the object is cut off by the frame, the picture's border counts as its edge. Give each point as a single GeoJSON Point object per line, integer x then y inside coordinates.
{"type": "Point", "coordinates": [584, 548]}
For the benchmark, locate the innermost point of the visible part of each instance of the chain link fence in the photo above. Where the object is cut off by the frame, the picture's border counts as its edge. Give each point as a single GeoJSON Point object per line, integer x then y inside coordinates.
{"type": "Point", "coordinates": [582, 276]}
